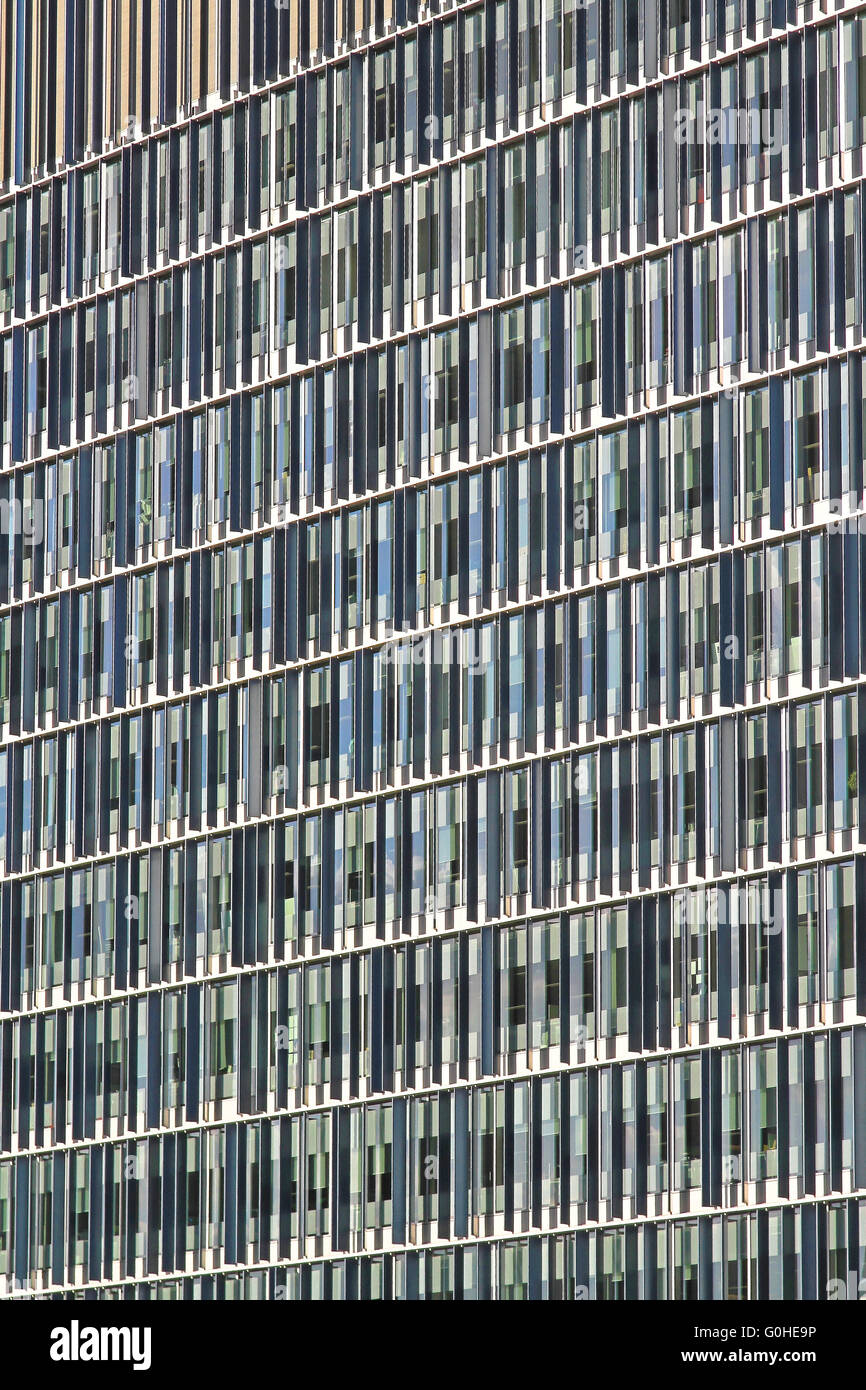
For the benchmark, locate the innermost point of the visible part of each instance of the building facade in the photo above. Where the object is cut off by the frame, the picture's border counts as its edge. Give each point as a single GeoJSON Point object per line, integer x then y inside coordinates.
{"type": "Point", "coordinates": [432, 639]}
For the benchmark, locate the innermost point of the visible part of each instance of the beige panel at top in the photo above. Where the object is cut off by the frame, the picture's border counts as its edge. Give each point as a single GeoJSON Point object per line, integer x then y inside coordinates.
{"type": "Point", "coordinates": [126, 100]}
{"type": "Point", "coordinates": [109, 79]}
{"type": "Point", "coordinates": [179, 39]}
{"type": "Point", "coordinates": [155, 56]}
{"type": "Point", "coordinates": [6, 77]}
{"type": "Point", "coordinates": [210, 18]}
{"type": "Point", "coordinates": [90, 65]}
{"type": "Point", "coordinates": [234, 39]}
{"type": "Point", "coordinates": [294, 32]}
{"type": "Point", "coordinates": [37, 89]}
{"type": "Point", "coordinates": [193, 87]}
{"type": "Point", "coordinates": [196, 43]}
{"type": "Point", "coordinates": [59, 74]}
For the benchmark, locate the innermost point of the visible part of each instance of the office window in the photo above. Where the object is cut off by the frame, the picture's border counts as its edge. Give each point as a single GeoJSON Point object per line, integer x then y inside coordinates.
{"type": "Point", "coordinates": [758, 118]}
{"type": "Point", "coordinates": [731, 299]}
{"type": "Point", "coordinates": [843, 733]}
{"type": "Point", "coordinates": [474, 174]}
{"type": "Point", "coordinates": [807, 792]}
{"type": "Point", "coordinates": [756, 409]}
{"type": "Point", "coordinates": [853, 38]}
{"type": "Point", "coordinates": [687, 1120]}
{"type": "Point", "coordinates": [763, 1120]}
{"type": "Point", "coordinates": [317, 702]}
{"type": "Point", "coordinates": [384, 109]}
{"type": "Point", "coordinates": [704, 306]}
{"type": "Point", "coordinates": [657, 301]}
{"type": "Point", "coordinates": [410, 80]}
{"type": "Point", "coordinates": [778, 272]}
{"type": "Point", "coordinates": [687, 473]}
{"type": "Point", "coordinates": [540, 410]}
{"type": "Point", "coordinates": [511, 352]}
{"type": "Point", "coordinates": [756, 780]}
{"type": "Point", "coordinates": [684, 796]}
{"type": "Point", "coordinates": [516, 867]}
{"type": "Point", "coordinates": [472, 49]}
{"type": "Point", "coordinates": [806, 274]}
{"type": "Point", "coordinates": [841, 910]}
{"type": "Point", "coordinates": [514, 186]}
{"type": "Point", "coordinates": [528, 55]}
{"type": "Point", "coordinates": [613, 986]}
{"type": "Point", "coordinates": [608, 184]}
{"type": "Point", "coordinates": [613, 499]}
{"type": "Point", "coordinates": [346, 303]}
{"type": "Point", "coordinates": [807, 437]}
